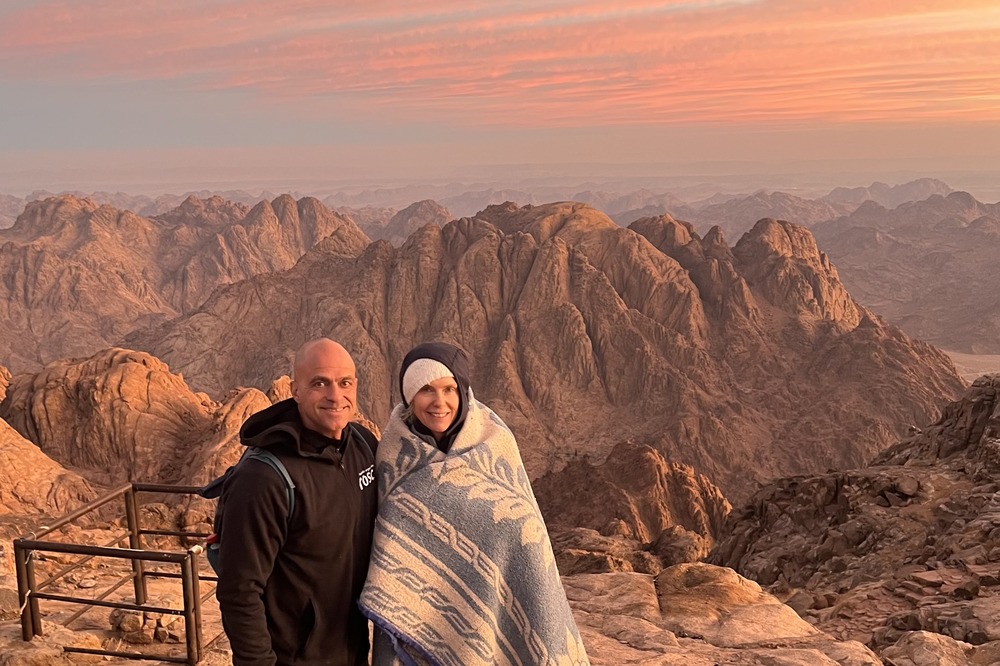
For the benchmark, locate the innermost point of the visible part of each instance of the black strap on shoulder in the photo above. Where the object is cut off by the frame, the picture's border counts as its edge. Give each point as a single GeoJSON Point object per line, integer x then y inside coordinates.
{"type": "Point", "coordinates": [265, 456]}
{"type": "Point", "coordinates": [367, 435]}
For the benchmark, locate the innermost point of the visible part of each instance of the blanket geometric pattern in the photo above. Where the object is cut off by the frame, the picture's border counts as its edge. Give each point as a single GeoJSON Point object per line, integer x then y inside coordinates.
{"type": "Point", "coordinates": [462, 571]}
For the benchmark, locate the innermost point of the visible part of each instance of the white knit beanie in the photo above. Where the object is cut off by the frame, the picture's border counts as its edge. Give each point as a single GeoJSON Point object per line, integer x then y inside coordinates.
{"type": "Point", "coordinates": [420, 373]}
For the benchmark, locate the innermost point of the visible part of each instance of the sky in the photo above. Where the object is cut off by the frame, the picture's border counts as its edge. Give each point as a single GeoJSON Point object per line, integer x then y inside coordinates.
{"type": "Point", "coordinates": [152, 94]}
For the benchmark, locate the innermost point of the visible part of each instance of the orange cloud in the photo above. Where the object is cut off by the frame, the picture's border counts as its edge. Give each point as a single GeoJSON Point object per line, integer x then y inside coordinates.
{"type": "Point", "coordinates": [551, 63]}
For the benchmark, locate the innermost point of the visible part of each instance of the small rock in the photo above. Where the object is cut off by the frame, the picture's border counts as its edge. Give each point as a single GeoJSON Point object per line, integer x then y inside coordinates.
{"type": "Point", "coordinates": [907, 486]}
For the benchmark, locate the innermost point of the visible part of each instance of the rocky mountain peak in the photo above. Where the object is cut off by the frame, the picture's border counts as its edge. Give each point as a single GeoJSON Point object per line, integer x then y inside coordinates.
{"type": "Point", "coordinates": [405, 222]}
{"type": "Point", "coordinates": [214, 212]}
{"type": "Point", "coordinates": [568, 220]}
{"type": "Point", "coordinates": [49, 217]}
{"type": "Point", "coordinates": [781, 261]}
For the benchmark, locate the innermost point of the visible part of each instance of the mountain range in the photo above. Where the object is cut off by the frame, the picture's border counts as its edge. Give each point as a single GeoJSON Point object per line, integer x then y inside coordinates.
{"type": "Point", "coordinates": [745, 362]}
{"type": "Point", "coordinates": [655, 377]}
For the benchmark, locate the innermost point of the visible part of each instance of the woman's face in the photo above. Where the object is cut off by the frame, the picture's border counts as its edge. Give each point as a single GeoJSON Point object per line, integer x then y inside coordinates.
{"type": "Point", "coordinates": [436, 405]}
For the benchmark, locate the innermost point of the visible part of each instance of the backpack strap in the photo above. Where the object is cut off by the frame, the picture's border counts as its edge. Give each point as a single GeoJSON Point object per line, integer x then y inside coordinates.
{"type": "Point", "coordinates": [365, 434]}
{"type": "Point", "coordinates": [269, 458]}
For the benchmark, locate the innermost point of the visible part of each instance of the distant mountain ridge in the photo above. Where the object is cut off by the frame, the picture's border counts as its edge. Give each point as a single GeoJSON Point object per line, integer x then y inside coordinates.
{"type": "Point", "coordinates": [619, 200]}
{"type": "Point", "coordinates": [576, 326]}
{"type": "Point", "coordinates": [928, 266]}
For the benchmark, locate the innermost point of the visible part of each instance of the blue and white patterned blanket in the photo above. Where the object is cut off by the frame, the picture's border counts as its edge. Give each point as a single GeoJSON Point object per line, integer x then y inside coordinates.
{"type": "Point", "coordinates": [462, 571]}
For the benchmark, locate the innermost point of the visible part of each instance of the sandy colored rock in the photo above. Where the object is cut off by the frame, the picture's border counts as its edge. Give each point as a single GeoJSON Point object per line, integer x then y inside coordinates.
{"type": "Point", "coordinates": [624, 618]}
{"type": "Point", "coordinates": [46, 650]}
{"type": "Point", "coordinates": [723, 608]}
{"type": "Point", "coordinates": [636, 486]}
{"type": "Point", "coordinates": [122, 415]}
{"type": "Point", "coordinates": [921, 648]}
{"type": "Point", "coordinates": [408, 220]}
{"type": "Point", "coordinates": [31, 482]}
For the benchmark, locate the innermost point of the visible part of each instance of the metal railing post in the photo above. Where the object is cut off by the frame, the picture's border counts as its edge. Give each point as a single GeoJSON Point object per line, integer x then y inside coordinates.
{"type": "Point", "coordinates": [36, 615]}
{"type": "Point", "coordinates": [196, 593]}
{"type": "Point", "coordinates": [23, 589]}
{"type": "Point", "coordinates": [135, 543]}
{"type": "Point", "coordinates": [190, 621]}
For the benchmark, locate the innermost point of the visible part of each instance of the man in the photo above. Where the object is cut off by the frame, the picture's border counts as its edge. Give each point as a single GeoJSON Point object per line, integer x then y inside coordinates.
{"type": "Point", "coordinates": [290, 583]}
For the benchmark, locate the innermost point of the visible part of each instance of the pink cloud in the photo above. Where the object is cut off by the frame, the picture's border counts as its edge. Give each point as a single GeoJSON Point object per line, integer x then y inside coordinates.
{"type": "Point", "coordinates": [552, 63]}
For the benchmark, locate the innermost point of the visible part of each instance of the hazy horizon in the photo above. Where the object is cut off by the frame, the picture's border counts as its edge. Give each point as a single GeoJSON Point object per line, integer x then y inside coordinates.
{"type": "Point", "coordinates": [247, 94]}
{"type": "Point", "coordinates": [620, 179]}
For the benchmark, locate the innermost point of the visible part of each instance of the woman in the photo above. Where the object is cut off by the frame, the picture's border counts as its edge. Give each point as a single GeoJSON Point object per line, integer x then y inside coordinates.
{"type": "Point", "coordinates": [462, 571]}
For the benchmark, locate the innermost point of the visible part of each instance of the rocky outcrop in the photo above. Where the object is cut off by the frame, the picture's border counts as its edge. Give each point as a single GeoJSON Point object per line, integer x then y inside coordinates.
{"type": "Point", "coordinates": [781, 262]}
{"type": "Point", "coordinates": [32, 483]}
{"type": "Point", "coordinates": [122, 415]}
{"type": "Point", "coordinates": [4, 381]}
{"type": "Point", "coordinates": [213, 212]}
{"type": "Point", "coordinates": [908, 543]}
{"type": "Point", "coordinates": [582, 335]}
{"type": "Point", "coordinates": [699, 615]}
{"type": "Point", "coordinates": [602, 517]}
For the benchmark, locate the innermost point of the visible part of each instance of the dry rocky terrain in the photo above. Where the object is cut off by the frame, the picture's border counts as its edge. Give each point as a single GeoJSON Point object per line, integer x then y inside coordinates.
{"type": "Point", "coordinates": [895, 563]}
{"type": "Point", "coordinates": [652, 376]}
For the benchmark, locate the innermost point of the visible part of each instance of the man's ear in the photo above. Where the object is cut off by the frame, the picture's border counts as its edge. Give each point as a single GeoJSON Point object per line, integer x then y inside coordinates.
{"type": "Point", "coordinates": [295, 390]}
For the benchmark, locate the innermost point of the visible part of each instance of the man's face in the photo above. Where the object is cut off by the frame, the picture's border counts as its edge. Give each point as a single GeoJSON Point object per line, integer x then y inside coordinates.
{"type": "Point", "coordinates": [325, 387]}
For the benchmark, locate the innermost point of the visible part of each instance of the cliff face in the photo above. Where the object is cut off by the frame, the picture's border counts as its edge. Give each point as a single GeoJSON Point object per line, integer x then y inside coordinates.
{"type": "Point", "coordinates": [76, 277]}
{"type": "Point", "coordinates": [744, 363]}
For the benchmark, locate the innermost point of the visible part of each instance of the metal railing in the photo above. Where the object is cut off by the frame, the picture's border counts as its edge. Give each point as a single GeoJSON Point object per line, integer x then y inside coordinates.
{"type": "Point", "coordinates": [30, 591]}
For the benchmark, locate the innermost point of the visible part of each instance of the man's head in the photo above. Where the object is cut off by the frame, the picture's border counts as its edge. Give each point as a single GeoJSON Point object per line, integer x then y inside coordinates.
{"type": "Point", "coordinates": [325, 386]}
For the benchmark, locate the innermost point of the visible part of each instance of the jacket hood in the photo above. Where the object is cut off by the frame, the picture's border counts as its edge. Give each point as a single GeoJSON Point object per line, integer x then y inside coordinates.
{"type": "Point", "coordinates": [282, 417]}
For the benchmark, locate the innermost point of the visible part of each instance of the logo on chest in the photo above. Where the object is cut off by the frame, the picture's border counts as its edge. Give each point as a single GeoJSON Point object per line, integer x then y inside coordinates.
{"type": "Point", "coordinates": [366, 477]}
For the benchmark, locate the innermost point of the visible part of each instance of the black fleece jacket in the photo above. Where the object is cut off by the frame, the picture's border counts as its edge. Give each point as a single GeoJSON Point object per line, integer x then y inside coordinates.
{"type": "Point", "coordinates": [289, 590]}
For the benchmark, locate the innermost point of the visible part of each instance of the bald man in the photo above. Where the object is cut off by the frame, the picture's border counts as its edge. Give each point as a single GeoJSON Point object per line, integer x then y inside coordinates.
{"type": "Point", "coordinates": [290, 580]}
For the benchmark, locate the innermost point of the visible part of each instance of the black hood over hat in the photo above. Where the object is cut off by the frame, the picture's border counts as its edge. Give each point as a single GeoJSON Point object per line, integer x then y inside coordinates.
{"type": "Point", "coordinates": [456, 360]}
